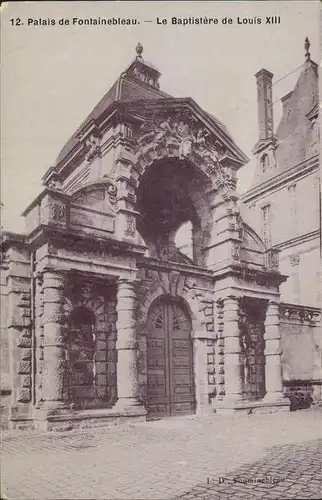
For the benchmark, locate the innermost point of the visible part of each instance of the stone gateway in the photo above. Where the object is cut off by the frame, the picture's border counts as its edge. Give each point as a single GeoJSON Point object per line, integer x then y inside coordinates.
{"type": "Point", "coordinates": [109, 317]}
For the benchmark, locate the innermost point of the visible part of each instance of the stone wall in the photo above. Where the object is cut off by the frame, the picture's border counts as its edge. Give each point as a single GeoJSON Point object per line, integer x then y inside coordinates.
{"type": "Point", "coordinates": [4, 351]}
{"type": "Point", "coordinates": [296, 234]}
{"type": "Point", "coordinates": [301, 263]}
{"type": "Point", "coordinates": [301, 358]}
{"type": "Point", "coordinates": [19, 332]}
{"type": "Point", "coordinates": [5, 383]}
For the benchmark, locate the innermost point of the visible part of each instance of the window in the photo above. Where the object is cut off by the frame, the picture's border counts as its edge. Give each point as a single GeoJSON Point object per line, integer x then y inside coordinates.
{"type": "Point", "coordinates": [266, 225]}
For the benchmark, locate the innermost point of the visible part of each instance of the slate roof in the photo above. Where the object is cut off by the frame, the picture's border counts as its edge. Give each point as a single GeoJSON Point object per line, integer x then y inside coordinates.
{"type": "Point", "coordinates": [294, 132]}
{"type": "Point", "coordinates": [125, 89]}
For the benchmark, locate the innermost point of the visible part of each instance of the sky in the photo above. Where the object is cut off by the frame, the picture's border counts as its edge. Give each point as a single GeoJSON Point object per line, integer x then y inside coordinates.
{"type": "Point", "coordinates": [53, 75]}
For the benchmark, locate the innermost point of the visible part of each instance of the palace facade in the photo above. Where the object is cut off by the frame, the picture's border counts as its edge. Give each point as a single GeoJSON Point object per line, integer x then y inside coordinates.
{"type": "Point", "coordinates": [108, 320]}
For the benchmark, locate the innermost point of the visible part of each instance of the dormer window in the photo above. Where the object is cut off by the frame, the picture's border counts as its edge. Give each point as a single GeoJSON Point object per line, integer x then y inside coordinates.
{"type": "Point", "coordinates": [264, 163]}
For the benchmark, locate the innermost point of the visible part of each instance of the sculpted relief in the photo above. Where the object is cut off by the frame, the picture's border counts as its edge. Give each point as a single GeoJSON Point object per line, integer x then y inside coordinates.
{"type": "Point", "coordinates": [191, 139]}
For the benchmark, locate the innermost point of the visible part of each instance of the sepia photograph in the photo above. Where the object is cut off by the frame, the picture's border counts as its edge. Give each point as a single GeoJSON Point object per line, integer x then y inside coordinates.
{"type": "Point", "coordinates": [161, 331]}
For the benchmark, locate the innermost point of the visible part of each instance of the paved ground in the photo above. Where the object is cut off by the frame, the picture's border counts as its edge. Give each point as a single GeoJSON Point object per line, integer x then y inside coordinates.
{"type": "Point", "coordinates": [286, 472]}
{"type": "Point", "coordinates": [186, 458]}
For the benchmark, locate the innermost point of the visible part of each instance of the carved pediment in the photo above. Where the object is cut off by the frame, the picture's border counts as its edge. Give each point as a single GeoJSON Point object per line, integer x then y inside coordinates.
{"type": "Point", "coordinates": [183, 130]}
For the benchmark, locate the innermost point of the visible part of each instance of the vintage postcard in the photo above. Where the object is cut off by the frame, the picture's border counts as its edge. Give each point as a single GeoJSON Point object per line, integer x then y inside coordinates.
{"type": "Point", "coordinates": [160, 250]}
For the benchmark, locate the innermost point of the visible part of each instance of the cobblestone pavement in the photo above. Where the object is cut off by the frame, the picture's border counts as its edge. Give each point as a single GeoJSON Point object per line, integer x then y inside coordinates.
{"type": "Point", "coordinates": [166, 459]}
{"type": "Point", "coordinates": [286, 472]}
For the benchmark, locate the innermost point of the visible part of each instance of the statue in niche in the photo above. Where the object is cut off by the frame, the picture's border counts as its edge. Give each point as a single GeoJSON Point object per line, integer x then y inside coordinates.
{"type": "Point", "coordinates": [245, 344]}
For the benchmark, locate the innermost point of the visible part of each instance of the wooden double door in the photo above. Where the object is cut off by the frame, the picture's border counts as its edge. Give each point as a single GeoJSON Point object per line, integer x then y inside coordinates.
{"type": "Point", "coordinates": [170, 389]}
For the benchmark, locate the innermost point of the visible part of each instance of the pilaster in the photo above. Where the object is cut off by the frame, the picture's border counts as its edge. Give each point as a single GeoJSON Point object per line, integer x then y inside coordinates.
{"type": "Point", "coordinates": [273, 351]}
{"type": "Point", "coordinates": [232, 350]}
{"type": "Point", "coordinates": [19, 335]}
{"type": "Point", "coordinates": [200, 349]}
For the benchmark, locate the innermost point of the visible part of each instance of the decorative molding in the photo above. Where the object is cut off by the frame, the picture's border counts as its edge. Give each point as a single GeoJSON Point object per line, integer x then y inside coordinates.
{"type": "Point", "coordinates": [295, 259]}
{"type": "Point", "coordinates": [298, 240]}
{"type": "Point", "coordinates": [279, 181]}
{"type": "Point", "coordinates": [184, 132]}
{"type": "Point", "coordinates": [292, 312]}
{"type": "Point", "coordinates": [291, 186]}
{"type": "Point", "coordinates": [235, 251]}
{"type": "Point", "coordinates": [262, 278]}
{"type": "Point", "coordinates": [112, 193]}
{"type": "Point", "coordinates": [55, 184]}
{"type": "Point", "coordinates": [93, 147]}
{"type": "Point", "coordinates": [130, 228]}
{"type": "Point", "coordinates": [58, 212]}
{"type": "Point", "coordinates": [272, 259]}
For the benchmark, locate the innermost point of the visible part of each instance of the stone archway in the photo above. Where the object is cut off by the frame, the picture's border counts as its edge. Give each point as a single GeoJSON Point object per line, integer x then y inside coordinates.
{"type": "Point", "coordinates": [170, 380]}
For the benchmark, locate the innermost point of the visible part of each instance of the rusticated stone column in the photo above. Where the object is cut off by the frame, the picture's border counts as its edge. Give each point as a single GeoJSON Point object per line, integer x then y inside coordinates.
{"type": "Point", "coordinates": [273, 367]}
{"type": "Point", "coordinates": [54, 389]}
{"type": "Point", "coordinates": [232, 350]}
{"type": "Point", "coordinates": [127, 370]}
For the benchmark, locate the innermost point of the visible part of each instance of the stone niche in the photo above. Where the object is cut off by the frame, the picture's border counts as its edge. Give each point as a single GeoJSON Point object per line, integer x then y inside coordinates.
{"type": "Point", "coordinates": [90, 343]}
{"type": "Point", "coordinates": [251, 323]}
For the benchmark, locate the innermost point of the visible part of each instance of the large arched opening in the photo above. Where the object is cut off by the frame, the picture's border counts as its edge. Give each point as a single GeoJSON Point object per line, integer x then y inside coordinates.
{"type": "Point", "coordinates": [172, 204]}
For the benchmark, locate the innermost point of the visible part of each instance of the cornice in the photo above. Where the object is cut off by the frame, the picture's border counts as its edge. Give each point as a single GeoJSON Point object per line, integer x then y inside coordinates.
{"type": "Point", "coordinates": [9, 238]}
{"type": "Point", "coordinates": [303, 238]}
{"type": "Point", "coordinates": [158, 265]}
{"type": "Point", "coordinates": [282, 178]}
{"type": "Point", "coordinates": [55, 193]}
{"type": "Point", "coordinates": [46, 233]}
{"type": "Point", "coordinates": [261, 277]}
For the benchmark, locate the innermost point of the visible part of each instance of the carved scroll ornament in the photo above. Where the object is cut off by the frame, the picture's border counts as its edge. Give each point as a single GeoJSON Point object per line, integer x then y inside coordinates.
{"type": "Point", "coordinates": [190, 139]}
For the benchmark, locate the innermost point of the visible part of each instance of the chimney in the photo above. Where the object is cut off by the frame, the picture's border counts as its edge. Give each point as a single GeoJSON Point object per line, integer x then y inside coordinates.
{"type": "Point", "coordinates": [264, 103]}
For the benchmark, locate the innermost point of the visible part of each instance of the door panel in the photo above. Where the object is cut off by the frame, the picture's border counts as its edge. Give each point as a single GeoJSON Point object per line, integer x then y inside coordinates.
{"type": "Point", "coordinates": [170, 363]}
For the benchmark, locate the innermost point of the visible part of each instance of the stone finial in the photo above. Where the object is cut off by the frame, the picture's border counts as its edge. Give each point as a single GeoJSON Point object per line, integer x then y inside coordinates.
{"type": "Point", "coordinates": [307, 48]}
{"type": "Point", "coordinates": [139, 49]}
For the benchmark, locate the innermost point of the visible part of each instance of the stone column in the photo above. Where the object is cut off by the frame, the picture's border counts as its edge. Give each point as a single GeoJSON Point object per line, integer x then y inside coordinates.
{"type": "Point", "coordinates": [54, 380]}
{"type": "Point", "coordinates": [273, 366]}
{"type": "Point", "coordinates": [232, 351]}
{"type": "Point", "coordinates": [127, 370]}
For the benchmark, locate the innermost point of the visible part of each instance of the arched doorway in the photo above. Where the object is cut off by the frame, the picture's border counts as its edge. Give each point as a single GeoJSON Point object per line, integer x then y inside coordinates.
{"type": "Point", "coordinates": [170, 388]}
